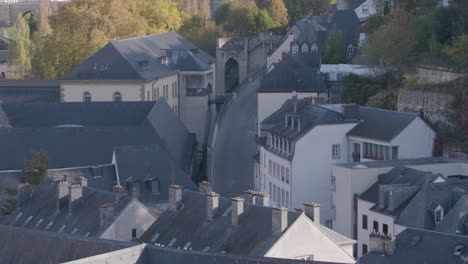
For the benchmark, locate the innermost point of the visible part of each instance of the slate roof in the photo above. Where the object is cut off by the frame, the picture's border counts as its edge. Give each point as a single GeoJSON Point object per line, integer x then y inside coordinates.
{"type": "Point", "coordinates": [401, 162]}
{"type": "Point", "coordinates": [455, 222]}
{"type": "Point", "coordinates": [252, 236]}
{"type": "Point", "coordinates": [399, 177]}
{"type": "Point", "coordinates": [142, 58]}
{"type": "Point", "coordinates": [346, 22]}
{"type": "Point", "coordinates": [94, 145]}
{"type": "Point", "coordinates": [296, 72]}
{"type": "Point", "coordinates": [419, 246]}
{"type": "Point", "coordinates": [381, 124]}
{"type": "Point", "coordinates": [140, 163]}
{"type": "Point", "coordinates": [28, 246]}
{"type": "Point", "coordinates": [28, 91]}
{"type": "Point", "coordinates": [40, 211]}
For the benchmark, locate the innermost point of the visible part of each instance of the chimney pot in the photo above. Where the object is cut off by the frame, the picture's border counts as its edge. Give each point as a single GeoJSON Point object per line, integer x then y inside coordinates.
{"type": "Point", "coordinates": [61, 191]}
{"type": "Point", "coordinates": [212, 202]}
{"type": "Point", "coordinates": [106, 215]}
{"type": "Point", "coordinates": [312, 210]}
{"type": "Point", "coordinates": [381, 244]}
{"type": "Point", "coordinates": [262, 199]}
{"type": "Point", "coordinates": [23, 193]}
{"type": "Point", "coordinates": [237, 209]}
{"type": "Point", "coordinates": [204, 187]}
{"type": "Point", "coordinates": [84, 181]}
{"type": "Point", "coordinates": [175, 197]}
{"type": "Point", "coordinates": [249, 196]}
{"type": "Point", "coordinates": [119, 191]}
{"type": "Point", "coordinates": [75, 192]}
{"type": "Point", "coordinates": [279, 219]}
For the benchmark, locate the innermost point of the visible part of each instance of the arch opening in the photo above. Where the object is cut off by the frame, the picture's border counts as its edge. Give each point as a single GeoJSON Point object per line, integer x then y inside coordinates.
{"type": "Point", "coordinates": [231, 74]}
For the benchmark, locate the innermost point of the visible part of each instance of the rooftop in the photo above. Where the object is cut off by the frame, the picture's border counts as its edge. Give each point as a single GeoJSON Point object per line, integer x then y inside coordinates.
{"type": "Point", "coordinates": [400, 162]}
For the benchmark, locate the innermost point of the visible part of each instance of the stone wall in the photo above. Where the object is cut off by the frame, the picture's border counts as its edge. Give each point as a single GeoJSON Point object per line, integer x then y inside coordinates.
{"type": "Point", "coordinates": [430, 74]}
{"type": "Point", "coordinates": [435, 105]}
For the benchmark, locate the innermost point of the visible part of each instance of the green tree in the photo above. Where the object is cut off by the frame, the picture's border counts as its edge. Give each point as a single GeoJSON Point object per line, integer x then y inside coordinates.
{"type": "Point", "coordinates": [260, 22]}
{"type": "Point", "coordinates": [458, 52]}
{"type": "Point", "coordinates": [82, 27]}
{"type": "Point", "coordinates": [35, 169]}
{"type": "Point", "coordinates": [276, 9]}
{"type": "Point", "coordinates": [298, 9]}
{"type": "Point", "coordinates": [199, 8]}
{"type": "Point", "coordinates": [43, 27]}
{"type": "Point", "coordinates": [20, 49]}
{"type": "Point", "coordinates": [203, 33]}
{"type": "Point", "coordinates": [334, 52]}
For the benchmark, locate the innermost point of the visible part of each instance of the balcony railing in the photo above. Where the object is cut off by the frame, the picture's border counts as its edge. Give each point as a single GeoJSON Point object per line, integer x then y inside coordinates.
{"type": "Point", "coordinates": [197, 92]}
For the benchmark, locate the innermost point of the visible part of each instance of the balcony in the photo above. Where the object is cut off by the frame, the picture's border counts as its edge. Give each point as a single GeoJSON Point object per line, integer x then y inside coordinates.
{"type": "Point", "coordinates": [196, 92]}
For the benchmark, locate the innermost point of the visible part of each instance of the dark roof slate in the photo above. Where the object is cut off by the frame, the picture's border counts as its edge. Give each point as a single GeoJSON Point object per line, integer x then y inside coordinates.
{"type": "Point", "coordinates": [28, 91]}
{"type": "Point", "coordinates": [252, 236]}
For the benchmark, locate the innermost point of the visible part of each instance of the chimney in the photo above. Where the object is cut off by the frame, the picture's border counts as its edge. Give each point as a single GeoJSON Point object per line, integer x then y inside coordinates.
{"type": "Point", "coordinates": [119, 191]}
{"type": "Point", "coordinates": [279, 220]}
{"type": "Point", "coordinates": [204, 187]}
{"type": "Point", "coordinates": [84, 181]}
{"type": "Point", "coordinates": [262, 199]}
{"type": "Point", "coordinates": [134, 189]}
{"type": "Point", "coordinates": [342, 5]}
{"type": "Point", "coordinates": [295, 106]}
{"type": "Point", "coordinates": [23, 193]}
{"type": "Point", "coordinates": [106, 215]}
{"type": "Point", "coordinates": [212, 203]}
{"type": "Point", "coordinates": [382, 198]}
{"type": "Point", "coordinates": [381, 244]}
{"type": "Point", "coordinates": [237, 209]}
{"type": "Point", "coordinates": [61, 191]}
{"type": "Point", "coordinates": [350, 112]}
{"type": "Point", "coordinates": [75, 192]}
{"type": "Point", "coordinates": [312, 210]}
{"type": "Point", "coordinates": [175, 197]}
{"type": "Point", "coordinates": [249, 196]}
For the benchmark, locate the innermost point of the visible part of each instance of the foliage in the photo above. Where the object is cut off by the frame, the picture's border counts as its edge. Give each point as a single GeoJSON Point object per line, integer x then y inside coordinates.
{"type": "Point", "coordinates": [298, 9]}
{"type": "Point", "coordinates": [35, 169]}
{"type": "Point", "coordinates": [458, 52]}
{"type": "Point", "coordinates": [334, 52]}
{"type": "Point", "coordinates": [200, 8]}
{"type": "Point", "coordinates": [9, 207]}
{"type": "Point", "coordinates": [384, 100]}
{"type": "Point", "coordinates": [82, 27]}
{"type": "Point", "coordinates": [20, 49]}
{"type": "Point", "coordinates": [43, 27]}
{"type": "Point", "coordinates": [374, 23]}
{"type": "Point", "coordinates": [410, 81]}
{"type": "Point", "coordinates": [260, 22]}
{"type": "Point", "coordinates": [418, 7]}
{"type": "Point", "coordinates": [203, 33]}
{"type": "Point", "coordinates": [277, 10]}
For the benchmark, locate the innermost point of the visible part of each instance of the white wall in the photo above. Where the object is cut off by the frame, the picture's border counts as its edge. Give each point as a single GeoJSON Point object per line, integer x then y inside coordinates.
{"type": "Point", "coordinates": [276, 182]}
{"type": "Point", "coordinates": [371, 10]}
{"type": "Point", "coordinates": [304, 238]}
{"type": "Point", "coordinates": [122, 256]}
{"type": "Point", "coordinates": [416, 141]}
{"type": "Point", "coordinates": [311, 172]}
{"type": "Point", "coordinates": [277, 55]}
{"type": "Point", "coordinates": [134, 215]}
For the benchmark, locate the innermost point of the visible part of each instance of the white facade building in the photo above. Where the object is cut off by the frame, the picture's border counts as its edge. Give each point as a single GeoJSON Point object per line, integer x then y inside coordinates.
{"type": "Point", "coordinates": [334, 72]}
{"type": "Point", "coordinates": [367, 9]}
{"type": "Point", "coordinates": [302, 141]}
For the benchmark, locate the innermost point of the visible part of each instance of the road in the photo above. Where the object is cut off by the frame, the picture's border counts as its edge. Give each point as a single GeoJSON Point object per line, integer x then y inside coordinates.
{"type": "Point", "coordinates": [235, 144]}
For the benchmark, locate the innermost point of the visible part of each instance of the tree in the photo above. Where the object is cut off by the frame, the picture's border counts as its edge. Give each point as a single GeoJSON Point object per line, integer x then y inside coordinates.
{"type": "Point", "coordinates": [20, 49]}
{"type": "Point", "coordinates": [276, 9]}
{"type": "Point", "coordinates": [35, 169]}
{"type": "Point", "coordinates": [260, 22]}
{"type": "Point", "coordinates": [43, 23]}
{"type": "Point", "coordinates": [82, 27]}
{"type": "Point", "coordinates": [203, 33]}
{"type": "Point", "coordinates": [298, 9]}
{"type": "Point", "coordinates": [199, 8]}
{"type": "Point", "coordinates": [458, 53]}
{"type": "Point", "coordinates": [334, 52]}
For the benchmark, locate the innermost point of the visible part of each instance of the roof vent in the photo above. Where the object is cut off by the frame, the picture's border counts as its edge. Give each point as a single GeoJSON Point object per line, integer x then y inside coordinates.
{"type": "Point", "coordinates": [360, 166]}
{"type": "Point", "coordinates": [458, 250]}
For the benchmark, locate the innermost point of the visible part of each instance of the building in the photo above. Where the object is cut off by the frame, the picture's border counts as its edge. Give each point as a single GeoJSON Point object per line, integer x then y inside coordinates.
{"type": "Point", "coordinates": [145, 69]}
{"type": "Point", "coordinates": [54, 248]}
{"type": "Point", "coordinates": [86, 134]}
{"type": "Point", "coordinates": [296, 74]}
{"type": "Point", "coordinates": [351, 181]}
{"type": "Point", "coordinates": [302, 140]}
{"type": "Point", "coordinates": [416, 246]}
{"type": "Point", "coordinates": [29, 91]}
{"type": "Point", "coordinates": [209, 223]}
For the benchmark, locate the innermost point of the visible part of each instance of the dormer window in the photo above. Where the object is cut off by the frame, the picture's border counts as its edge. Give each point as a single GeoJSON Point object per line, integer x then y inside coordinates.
{"type": "Point", "coordinates": [305, 48]}
{"type": "Point", "coordinates": [438, 214]}
{"type": "Point", "coordinates": [86, 97]}
{"type": "Point", "coordinates": [350, 50]}
{"type": "Point", "coordinates": [117, 97]}
{"type": "Point", "coordinates": [295, 49]}
{"type": "Point", "coordinates": [314, 48]}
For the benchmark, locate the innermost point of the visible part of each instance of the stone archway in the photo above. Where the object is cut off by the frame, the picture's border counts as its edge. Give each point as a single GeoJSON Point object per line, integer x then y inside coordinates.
{"type": "Point", "coordinates": [231, 75]}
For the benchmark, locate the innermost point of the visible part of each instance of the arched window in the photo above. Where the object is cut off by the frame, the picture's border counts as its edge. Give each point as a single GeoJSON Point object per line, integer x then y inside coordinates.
{"type": "Point", "coordinates": [117, 97]}
{"type": "Point", "coordinates": [314, 48]}
{"type": "Point", "coordinates": [305, 48]}
{"type": "Point", "coordinates": [350, 50]}
{"type": "Point", "coordinates": [87, 97]}
{"type": "Point", "coordinates": [295, 48]}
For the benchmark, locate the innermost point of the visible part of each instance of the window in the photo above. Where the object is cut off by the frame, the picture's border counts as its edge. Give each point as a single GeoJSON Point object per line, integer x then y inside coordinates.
{"type": "Point", "coordinates": [376, 226]}
{"type": "Point", "coordinates": [333, 183]}
{"type": "Point", "coordinates": [134, 234]}
{"type": "Point", "coordinates": [269, 167]}
{"type": "Point", "coordinates": [274, 192]}
{"type": "Point", "coordinates": [278, 195]}
{"type": "Point", "coordinates": [287, 175]}
{"type": "Point", "coordinates": [364, 222]}
{"type": "Point", "coordinates": [274, 169]}
{"type": "Point", "coordinates": [395, 152]}
{"type": "Point", "coordinates": [148, 95]}
{"type": "Point", "coordinates": [287, 199]}
{"type": "Point", "coordinates": [305, 48]}
{"type": "Point", "coordinates": [86, 97]}
{"type": "Point", "coordinates": [278, 171]}
{"type": "Point", "coordinates": [152, 186]}
{"type": "Point", "coordinates": [269, 190]}
{"type": "Point", "coordinates": [376, 152]}
{"type": "Point", "coordinates": [336, 151]}
{"type": "Point", "coordinates": [385, 229]}
{"type": "Point", "coordinates": [282, 173]}
{"type": "Point", "coordinates": [314, 48]}
{"type": "Point", "coordinates": [117, 97]}
{"type": "Point", "coordinates": [364, 249]}
{"type": "Point", "coordinates": [295, 48]}
{"type": "Point", "coordinates": [306, 258]}
{"type": "Point", "coordinates": [283, 200]}
{"type": "Point", "coordinates": [264, 160]}
{"type": "Point", "coordinates": [365, 9]}
{"type": "Point", "coordinates": [350, 50]}
{"type": "Point", "coordinates": [157, 93]}
{"type": "Point", "coordinates": [439, 214]}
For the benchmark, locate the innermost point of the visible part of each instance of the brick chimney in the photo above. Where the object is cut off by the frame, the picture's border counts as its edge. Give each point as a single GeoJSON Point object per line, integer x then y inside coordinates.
{"type": "Point", "coordinates": [212, 203]}
{"type": "Point", "coordinates": [61, 188]}
{"type": "Point", "coordinates": [312, 210]}
{"type": "Point", "coordinates": [237, 209]}
{"type": "Point", "coordinates": [249, 196]}
{"type": "Point", "coordinates": [204, 187]}
{"type": "Point", "coordinates": [106, 215]}
{"type": "Point", "coordinates": [175, 197]}
{"type": "Point", "coordinates": [120, 192]}
{"type": "Point", "coordinates": [84, 181]}
{"type": "Point", "coordinates": [75, 192]}
{"type": "Point", "coordinates": [381, 244]}
{"type": "Point", "coordinates": [23, 193]}
{"type": "Point", "coordinates": [262, 199]}
{"type": "Point", "coordinates": [279, 220]}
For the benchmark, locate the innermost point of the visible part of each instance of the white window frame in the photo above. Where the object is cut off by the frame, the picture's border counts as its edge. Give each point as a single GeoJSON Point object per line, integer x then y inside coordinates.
{"type": "Point", "coordinates": [336, 151]}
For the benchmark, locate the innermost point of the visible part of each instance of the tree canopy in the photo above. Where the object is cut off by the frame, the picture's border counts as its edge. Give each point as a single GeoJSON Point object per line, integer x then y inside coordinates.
{"type": "Point", "coordinates": [277, 10]}
{"type": "Point", "coordinates": [21, 49]}
{"type": "Point", "coordinates": [298, 9]}
{"type": "Point", "coordinates": [334, 52]}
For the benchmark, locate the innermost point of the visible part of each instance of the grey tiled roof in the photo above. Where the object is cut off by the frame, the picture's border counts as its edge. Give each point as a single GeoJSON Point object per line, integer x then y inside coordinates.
{"type": "Point", "coordinates": [418, 246]}
{"type": "Point", "coordinates": [400, 162]}
{"type": "Point", "coordinates": [296, 72]}
{"type": "Point", "coordinates": [40, 211]}
{"type": "Point", "coordinates": [253, 236]}
{"type": "Point", "coordinates": [28, 246]}
{"type": "Point", "coordinates": [142, 58]}
{"type": "Point", "coordinates": [27, 91]}
{"type": "Point", "coordinates": [455, 222]}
